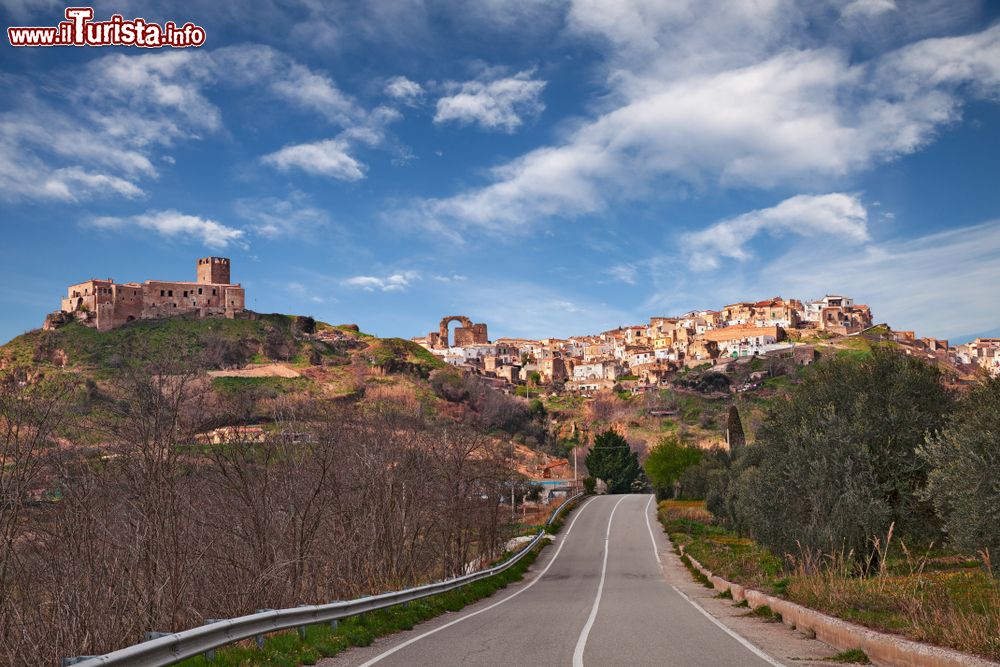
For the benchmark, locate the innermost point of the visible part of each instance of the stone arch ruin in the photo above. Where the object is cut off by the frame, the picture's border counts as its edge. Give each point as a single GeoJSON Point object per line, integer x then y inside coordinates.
{"type": "Point", "coordinates": [468, 333]}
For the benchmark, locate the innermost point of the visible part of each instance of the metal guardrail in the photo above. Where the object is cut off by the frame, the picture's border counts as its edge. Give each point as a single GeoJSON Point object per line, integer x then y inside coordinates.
{"type": "Point", "coordinates": [171, 648]}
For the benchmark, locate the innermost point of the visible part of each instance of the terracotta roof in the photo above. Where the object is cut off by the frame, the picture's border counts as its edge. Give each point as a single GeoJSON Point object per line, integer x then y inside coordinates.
{"type": "Point", "coordinates": [737, 332]}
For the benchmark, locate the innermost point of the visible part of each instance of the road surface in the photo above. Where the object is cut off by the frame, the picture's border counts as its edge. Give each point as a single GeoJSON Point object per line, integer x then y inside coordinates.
{"type": "Point", "coordinates": [595, 597]}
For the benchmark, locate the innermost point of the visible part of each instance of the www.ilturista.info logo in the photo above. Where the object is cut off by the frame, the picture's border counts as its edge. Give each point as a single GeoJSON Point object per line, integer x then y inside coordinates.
{"type": "Point", "coordinates": [79, 29]}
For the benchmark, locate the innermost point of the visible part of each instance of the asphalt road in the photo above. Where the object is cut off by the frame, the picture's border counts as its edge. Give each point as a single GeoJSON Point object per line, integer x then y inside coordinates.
{"type": "Point", "coordinates": [596, 597]}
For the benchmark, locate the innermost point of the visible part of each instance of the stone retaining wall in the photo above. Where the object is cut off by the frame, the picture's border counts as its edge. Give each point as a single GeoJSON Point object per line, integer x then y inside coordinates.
{"type": "Point", "coordinates": [881, 648]}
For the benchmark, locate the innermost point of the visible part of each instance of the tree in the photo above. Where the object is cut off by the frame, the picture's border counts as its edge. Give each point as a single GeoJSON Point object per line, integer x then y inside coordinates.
{"type": "Point", "coordinates": [612, 460]}
{"type": "Point", "coordinates": [835, 465]}
{"type": "Point", "coordinates": [734, 430]}
{"type": "Point", "coordinates": [965, 466]}
{"type": "Point", "coordinates": [665, 464]}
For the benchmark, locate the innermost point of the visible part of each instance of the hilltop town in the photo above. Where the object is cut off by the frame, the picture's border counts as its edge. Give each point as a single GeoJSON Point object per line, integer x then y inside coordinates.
{"type": "Point", "coordinates": [634, 358]}
{"type": "Point", "coordinates": [642, 357]}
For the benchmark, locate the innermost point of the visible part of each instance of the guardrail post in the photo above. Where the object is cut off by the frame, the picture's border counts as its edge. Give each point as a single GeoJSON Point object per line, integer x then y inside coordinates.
{"type": "Point", "coordinates": [260, 638]}
{"type": "Point", "coordinates": [210, 653]}
{"type": "Point", "coordinates": [302, 629]}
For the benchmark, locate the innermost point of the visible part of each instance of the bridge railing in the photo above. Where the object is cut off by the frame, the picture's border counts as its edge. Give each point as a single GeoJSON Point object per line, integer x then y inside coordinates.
{"type": "Point", "coordinates": [168, 649]}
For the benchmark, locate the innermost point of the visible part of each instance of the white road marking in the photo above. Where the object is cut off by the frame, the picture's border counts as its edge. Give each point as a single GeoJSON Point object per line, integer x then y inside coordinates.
{"type": "Point", "coordinates": [581, 643]}
{"type": "Point", "coordinates": [656, 549]}
{"type": "Point", "coordinates": [756, 651]}
{"type": "Point", "coordinates": [531, 583]}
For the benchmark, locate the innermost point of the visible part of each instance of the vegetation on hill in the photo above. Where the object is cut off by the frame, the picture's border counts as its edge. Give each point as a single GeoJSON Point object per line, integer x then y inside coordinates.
{"type": "Point", "coordinates": [216, 342]}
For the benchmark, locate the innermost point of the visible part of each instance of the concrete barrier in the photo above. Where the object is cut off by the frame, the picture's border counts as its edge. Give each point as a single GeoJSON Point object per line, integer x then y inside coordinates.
{"type": "Point", "coordinates": [882, 648]}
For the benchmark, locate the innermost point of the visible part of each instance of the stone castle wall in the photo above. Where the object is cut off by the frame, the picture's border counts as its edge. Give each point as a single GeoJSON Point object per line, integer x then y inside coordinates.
{"type": "Point", "coordinates": [107, 305]}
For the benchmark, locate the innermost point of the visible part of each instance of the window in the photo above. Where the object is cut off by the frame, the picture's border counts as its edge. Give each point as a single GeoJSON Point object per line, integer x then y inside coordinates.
{"type": "Point", "coordinates": [170, 292]}
{"type": "Point", "coordinates": [162, 293]}
{"type": "Point", "coordinates": [213, 291]}
{"type": "Point", "coordinates": [185, 294]}
{"type": "Point", "coordinates": [199, 291]}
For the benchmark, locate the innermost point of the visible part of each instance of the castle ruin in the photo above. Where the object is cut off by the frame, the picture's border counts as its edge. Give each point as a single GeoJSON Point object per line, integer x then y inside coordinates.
{"type": "Point", "coordinates": [467, 334]}
{"type": "Point", "coordinates": [106, 305]}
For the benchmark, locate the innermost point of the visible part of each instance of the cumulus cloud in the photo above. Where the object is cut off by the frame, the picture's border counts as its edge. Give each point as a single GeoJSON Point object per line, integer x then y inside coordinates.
{"type": "Point", "coordinates": [323, 158]}
{"type": "Point", "coordinates": [402, 89]}
{"type": "Point", "coordinates": [836, 214]}
{"type": "Point", "coordinates": [702, 95]}
{"type": "Point", "coordinates": [395, 282]}
{"type": "Point", "coordinates": [492, 103]}
{"type": "Point", "coordinates": [174, 224]}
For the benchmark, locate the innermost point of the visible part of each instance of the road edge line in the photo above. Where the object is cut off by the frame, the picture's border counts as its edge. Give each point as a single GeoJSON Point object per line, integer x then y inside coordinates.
{"type": "Point", "coordinates": [531, 583]}
{"type": "Point", "coordinates": [729, 631]}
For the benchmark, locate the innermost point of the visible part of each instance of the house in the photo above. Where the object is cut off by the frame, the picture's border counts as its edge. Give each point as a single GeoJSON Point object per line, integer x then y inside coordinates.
{"type": "Point", "coordinates": [744, 341]}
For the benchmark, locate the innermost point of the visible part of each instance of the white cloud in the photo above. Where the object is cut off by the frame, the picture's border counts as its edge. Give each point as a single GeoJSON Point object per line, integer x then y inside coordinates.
{"type": "Point", "coordinates": [323, 158]}
{"type": "Point", "coordinates": [868, 8]}
{"type": "Point", "coordinates": [943, 284]}
{"type": "Point", "coordinates": [275, 218]}
{"type": "Point", "coordinates": [149, 102]}
{"type": "Point", "coordinates": [317, 92]}
{"type": "Point", "coordinates": [625, 273]}
{"type": "Point", "coordinates": [173, 224]}
{"type": "Point", "coordinates": [703, 95]}
{"type": "Point", "coordinates": [402, 89]}
{"type": "Point", "coordinates": [451, 278]}
{"type": "Point", "coordinates": [395, 282]}
{"type": "Point", "coordinates": [492, 103]}
{"type": "Point", "coordinates": [835, 214]}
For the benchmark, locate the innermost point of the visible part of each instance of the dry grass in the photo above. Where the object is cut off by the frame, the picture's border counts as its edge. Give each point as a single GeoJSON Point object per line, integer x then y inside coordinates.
{"type": "Point", "coordinates": [939, 600]}
{"type": "Point", "coordinates": [936, 597]}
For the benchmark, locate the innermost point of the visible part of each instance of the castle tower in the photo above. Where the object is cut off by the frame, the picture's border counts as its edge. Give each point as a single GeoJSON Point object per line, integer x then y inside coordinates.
{"type": "Point", "coordinates": [214, 270]}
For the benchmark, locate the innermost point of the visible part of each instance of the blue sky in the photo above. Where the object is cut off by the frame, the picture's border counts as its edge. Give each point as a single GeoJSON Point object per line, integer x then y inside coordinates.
{"type": "Point", "coordinates": [550, 167]}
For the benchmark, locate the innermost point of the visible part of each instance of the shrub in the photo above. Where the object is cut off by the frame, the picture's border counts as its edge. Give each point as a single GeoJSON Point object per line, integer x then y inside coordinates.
{"type": "Point", "coordinates": [835, 465]}
{"type": "Point", "coordinates": [666, 462]}
{"type": "Point", "coordinates": [965, 462]}
{"type": "Point", "coordinates": [589, 484]}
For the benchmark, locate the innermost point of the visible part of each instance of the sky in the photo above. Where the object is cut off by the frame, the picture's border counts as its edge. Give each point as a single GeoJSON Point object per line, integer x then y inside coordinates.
{"type": "Point", "coordinates": [549, 167]}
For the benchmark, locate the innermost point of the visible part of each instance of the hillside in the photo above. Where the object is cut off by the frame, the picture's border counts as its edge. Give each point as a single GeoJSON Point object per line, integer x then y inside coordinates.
{"type": "Point", "coordinates": [266, 356]}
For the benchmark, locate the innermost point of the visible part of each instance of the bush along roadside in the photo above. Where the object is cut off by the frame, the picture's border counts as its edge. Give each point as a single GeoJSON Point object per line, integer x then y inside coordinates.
{"type": "Point", "coordinates": [936, 598]}
{"type": "Point", "coordinates": [311, 643]}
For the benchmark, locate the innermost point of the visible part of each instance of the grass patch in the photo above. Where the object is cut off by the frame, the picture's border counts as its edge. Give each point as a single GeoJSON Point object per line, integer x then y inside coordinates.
{"type": "Point", "coordinates": [269, 385]}
{"type": "Point", "coordinates": [766, 613]}
{"type": "Point", "coordinates": [725, 595]}
{"type": "Point", "coordinates": [855, 656]}
{"type": "Point", "coordinates": [695, 572]}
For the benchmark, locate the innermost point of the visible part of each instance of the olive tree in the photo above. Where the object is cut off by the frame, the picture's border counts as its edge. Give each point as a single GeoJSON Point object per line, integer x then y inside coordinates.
{"type": "Point", "coordinates": [964, 458]}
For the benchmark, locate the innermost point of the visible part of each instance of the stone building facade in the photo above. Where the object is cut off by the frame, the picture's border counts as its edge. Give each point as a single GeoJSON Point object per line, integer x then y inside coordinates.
{"type": "Point", "coordinates": [106, 304]}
